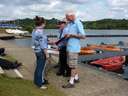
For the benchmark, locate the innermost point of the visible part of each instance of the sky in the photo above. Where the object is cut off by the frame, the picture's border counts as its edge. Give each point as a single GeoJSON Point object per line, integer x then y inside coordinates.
{"type": "Point", "coordinates": [88, 10]}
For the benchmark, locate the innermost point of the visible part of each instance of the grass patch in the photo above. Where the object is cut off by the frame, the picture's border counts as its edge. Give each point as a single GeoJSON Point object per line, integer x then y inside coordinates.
{"type": "Point", "coordinates": [18, 87]}
{"type": "Point", "coordinates": [9, 58]}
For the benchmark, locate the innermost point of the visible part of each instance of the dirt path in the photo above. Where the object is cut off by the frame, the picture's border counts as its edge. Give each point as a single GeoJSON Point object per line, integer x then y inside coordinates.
{"type": "Point", "coordinates": [93, 82]}
{"type": "Point", "coordinates": [22, 54]}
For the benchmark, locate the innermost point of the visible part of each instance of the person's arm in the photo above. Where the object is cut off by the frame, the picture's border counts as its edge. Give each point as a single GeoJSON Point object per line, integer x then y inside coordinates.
{"type": "Point", "coordinates": [75, 36]}
{"type": "Point", "coordinates": [81, 31]}
{"type": "Point", "coordinates": [51, 42]}
{"type": "Point", "coordinates": [33, 46]}
{"type": "Point", "coordinates": [46, 53]}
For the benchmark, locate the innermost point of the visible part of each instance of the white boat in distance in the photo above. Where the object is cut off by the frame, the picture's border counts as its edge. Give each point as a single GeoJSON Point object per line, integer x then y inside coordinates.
{"type": "Point", "coordinates": [16, 31]}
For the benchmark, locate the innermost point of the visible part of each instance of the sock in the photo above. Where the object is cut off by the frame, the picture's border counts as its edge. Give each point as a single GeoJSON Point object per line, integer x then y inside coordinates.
{"type": "Point", "coordinates": [76, 77]}
{"type": "Point", "coordinates": [71, 80]}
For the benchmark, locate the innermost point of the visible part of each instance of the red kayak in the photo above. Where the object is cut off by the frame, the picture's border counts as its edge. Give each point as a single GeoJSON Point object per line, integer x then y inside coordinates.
{"type": "Point", "coordinates": [110, 64]}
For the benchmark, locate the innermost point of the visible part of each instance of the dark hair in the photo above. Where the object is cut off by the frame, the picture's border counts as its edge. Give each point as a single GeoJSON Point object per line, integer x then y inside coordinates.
{"type": "Point", "coordinates": [39, 21]}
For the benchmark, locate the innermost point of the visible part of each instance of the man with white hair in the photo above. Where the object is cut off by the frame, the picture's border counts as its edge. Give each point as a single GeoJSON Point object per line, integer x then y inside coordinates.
{"type": "Point", "coordinates": [75, 33]}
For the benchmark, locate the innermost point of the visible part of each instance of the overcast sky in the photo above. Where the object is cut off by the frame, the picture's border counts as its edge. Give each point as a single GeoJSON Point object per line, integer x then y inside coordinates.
{"type": "Point", "coordinates": [85, 9]}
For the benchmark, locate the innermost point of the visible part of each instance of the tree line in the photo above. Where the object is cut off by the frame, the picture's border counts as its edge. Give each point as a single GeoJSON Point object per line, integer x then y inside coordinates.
{"type": "Point", "coordinates": [28, 24]}
{"type": "Point", "coordinates": [107, 24]}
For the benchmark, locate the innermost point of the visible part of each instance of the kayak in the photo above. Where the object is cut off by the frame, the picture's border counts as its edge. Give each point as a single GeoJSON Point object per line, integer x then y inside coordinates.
{"type": "Point", "coordinates": [110, 64]}
{"type": "Point", "coordinates": [85, 51]}
{"type": "Point", "coordinates": [105, 47]}
{"type": "Point", "coordinates": [111, 49]}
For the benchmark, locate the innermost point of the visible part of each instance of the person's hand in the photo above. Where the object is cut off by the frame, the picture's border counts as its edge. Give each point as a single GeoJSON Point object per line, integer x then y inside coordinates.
{"type": "Point", "coordinates": [47, 55]}
{"type": "Point", "coordinates": [52, 42]}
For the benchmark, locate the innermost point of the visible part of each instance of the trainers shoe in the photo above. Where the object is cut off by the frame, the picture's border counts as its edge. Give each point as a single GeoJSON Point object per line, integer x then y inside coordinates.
{"type": "Point", "coordinates": [46, 82]}
{"type": "Point", "coordinates": [43, 87]}
{"type": "Point", "coordinates": [68, 86]}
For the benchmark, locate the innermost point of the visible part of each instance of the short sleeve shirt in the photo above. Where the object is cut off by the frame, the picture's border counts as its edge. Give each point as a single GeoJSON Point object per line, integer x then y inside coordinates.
{"type": "Point", "coordinates": [75, 27]}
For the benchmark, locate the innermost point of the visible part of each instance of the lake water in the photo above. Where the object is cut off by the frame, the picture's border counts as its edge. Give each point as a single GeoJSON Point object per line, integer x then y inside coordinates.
{"type": "Point", "coordinates": [89, 40]}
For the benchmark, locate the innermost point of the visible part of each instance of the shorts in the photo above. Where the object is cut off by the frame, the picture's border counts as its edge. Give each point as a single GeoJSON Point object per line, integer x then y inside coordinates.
{"type": "Point", "coordinates": [73, 60]}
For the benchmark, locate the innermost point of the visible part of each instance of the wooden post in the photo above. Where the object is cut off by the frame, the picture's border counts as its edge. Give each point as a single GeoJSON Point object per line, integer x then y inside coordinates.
{"type": "Point", "coordinates": [18, 73]}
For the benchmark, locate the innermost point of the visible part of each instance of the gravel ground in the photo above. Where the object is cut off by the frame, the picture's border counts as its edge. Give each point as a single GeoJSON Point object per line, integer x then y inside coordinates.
{"type": "Point", "coordinates": [93, 82]}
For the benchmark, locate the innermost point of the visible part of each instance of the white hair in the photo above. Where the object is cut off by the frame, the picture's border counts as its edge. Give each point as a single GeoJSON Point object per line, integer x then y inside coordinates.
{"type": "Point", "coordinates": [70, 12]}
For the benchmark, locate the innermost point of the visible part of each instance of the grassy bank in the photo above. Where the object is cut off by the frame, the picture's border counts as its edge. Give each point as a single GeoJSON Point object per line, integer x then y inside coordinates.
{"type": "Point", "coordinates": [18, 87]}
{"type": "Point", "coordinates": [9, 58]}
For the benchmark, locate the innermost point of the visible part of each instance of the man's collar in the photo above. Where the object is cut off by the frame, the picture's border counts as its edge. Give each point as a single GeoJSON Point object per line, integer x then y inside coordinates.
{"type": "Point", "coordinates": [72, 22]}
